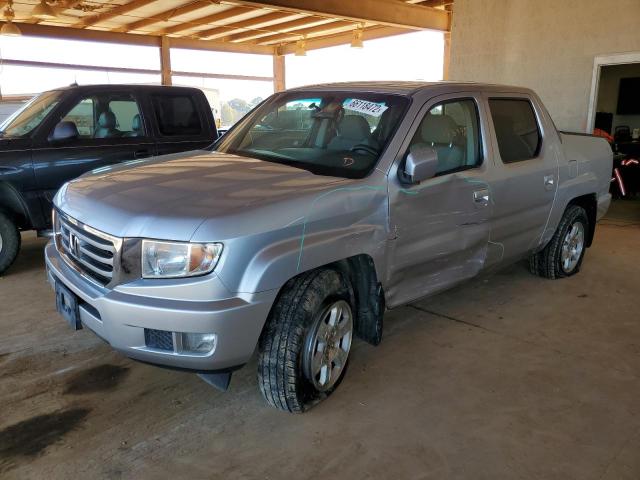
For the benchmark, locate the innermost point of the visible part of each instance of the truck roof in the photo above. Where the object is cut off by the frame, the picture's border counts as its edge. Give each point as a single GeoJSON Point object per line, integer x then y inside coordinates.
{"type": "Point", "coordinates": [411, 88]}
{"type": "Point", "coordinates": [120, 86]}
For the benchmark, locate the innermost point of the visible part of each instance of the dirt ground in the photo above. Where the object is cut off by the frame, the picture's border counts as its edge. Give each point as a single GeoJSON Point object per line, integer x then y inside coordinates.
{"type": "Point", "coordinates": [510, 376]}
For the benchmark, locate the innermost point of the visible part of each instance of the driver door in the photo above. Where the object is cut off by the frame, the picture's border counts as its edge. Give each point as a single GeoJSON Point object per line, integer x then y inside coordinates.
{"type": "Point", "coordinates": [442, 225]}
{"type": "Point", "coordinates": [58, 162]}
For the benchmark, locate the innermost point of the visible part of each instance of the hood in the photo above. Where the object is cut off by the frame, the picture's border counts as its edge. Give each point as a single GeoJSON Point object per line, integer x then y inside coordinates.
{"type": "Point", "coordinates": [169, 198]}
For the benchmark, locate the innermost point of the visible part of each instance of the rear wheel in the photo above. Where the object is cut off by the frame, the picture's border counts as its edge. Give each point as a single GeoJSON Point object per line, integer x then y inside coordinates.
{"type": "Point", "coordinates": [304, 349]}
{"type": "Point", "coordinates": [563, 256]}
{"type": "Point", "coordinates": [9, 242]}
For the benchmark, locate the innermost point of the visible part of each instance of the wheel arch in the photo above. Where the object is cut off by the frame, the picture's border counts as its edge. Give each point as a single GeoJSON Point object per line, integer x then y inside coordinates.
{"type": "Point", "coordinates": [368, 294]}
{"type": "Point", "coordinates": [12, 204]}
{"type": "Point", "coordinates": [590, 204]}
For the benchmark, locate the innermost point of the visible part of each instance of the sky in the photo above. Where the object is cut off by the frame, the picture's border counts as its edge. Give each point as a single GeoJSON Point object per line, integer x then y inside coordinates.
{"type": "Point", "coordinates": [414, 56]}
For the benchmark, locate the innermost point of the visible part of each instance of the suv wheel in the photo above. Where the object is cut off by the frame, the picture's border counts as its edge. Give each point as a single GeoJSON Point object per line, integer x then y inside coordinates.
{"type": "Point", "coordinates": [563, 255]}
{"type": "Point", "coordinates": [304, 348]}
{"type": "Point", "coordinates": [9, 242]}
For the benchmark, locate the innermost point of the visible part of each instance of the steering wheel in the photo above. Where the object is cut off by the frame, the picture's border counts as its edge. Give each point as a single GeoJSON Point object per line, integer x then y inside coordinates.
{"type": "Point", "coordinates": [363, 147]}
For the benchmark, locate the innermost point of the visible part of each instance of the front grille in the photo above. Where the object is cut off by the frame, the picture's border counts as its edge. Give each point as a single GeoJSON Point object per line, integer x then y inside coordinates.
{"type": "Point", "coordinates": [93, 252]}
{"type": "Point", "coordinates": [159, 339]}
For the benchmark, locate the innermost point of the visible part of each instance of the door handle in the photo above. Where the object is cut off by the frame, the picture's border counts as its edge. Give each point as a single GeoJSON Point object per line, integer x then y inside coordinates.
{"type": "Point", "coordinates": [549, 181]}
{"type": "Point", "coordinates": [481, 197]}
{"type": "Point", "coordinates": [142, 154]}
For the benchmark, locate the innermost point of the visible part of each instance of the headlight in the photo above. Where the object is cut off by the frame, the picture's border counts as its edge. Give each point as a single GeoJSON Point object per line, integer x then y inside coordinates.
{"type": "Point", "coordinates": [176, 259]}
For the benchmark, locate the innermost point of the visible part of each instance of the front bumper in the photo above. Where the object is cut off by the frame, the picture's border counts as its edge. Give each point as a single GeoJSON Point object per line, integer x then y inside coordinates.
{"type": "Point", "coordinates": [120, 315]}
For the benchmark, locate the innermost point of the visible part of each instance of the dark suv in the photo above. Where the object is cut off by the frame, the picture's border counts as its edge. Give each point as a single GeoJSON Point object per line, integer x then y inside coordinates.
{"type": "Point", "coordinates": [61, 134]}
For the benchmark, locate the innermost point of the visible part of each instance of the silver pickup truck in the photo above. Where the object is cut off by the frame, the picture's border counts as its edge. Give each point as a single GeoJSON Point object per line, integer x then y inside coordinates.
{"type": "Point", "coordinates": [321, 208]}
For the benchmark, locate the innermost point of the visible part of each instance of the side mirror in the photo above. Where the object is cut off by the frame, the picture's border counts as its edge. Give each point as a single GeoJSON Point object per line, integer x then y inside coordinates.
{"type": "Point", "coordinates": [421, 164]}
{"type": "Point", "coordinates": [64, 131]}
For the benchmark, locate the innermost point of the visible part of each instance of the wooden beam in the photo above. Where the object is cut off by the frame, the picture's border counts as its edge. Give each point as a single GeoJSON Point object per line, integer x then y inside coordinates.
{"type": "Point", "coordinates": [164, 16]}
{"type": "Point", "coordinates": [195, 44]}
{"type": "Point", "coordinates": [114, 12]}
{"type": "Point", "coordinates": [222, 76]}
{"type": "Point", "coordinates": [343, 38]}
{"type": "Point", "coordinates": [279, 73]}
{"type": "Point", "coordinates": [69, 33]}
{"type": "Point", "coordinates": [255, 22]}
{"type": "Point", "coordinates": [144, 71]}
{"type": "Point", "coordinates": [326, 29]}
{"type": "Point", "coordinates": [279, 29]}
{"type": "Point", "coordinates": [383, 12]}
{"type": "Point", "coordinates": [446, 59]}
{"type": "Point", "coordinates": [74, 66]}
{"type": "Point", "coordinates": [208, 20]}
{"type": "Point", "coordinates": [165, 61]}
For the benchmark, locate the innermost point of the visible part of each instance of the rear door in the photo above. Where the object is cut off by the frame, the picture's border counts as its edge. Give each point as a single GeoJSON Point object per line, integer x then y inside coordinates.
{"type": "Point", "coordinates": [442, 225]}
{"type": "Point", "coordinates": [111, 130]}
{"type": "Point", "coordinates": [527, 175]}
{"type": "Point", "coordinates": [180, 122]}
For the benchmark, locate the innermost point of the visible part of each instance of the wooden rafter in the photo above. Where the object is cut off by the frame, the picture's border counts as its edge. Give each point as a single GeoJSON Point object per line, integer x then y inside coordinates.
{"type": "Point", "coordinates": [114, 12]}
{"type": "Point", "coordinates": [326, 29]}
{"type": "Point", "coordinates": [342, 38]}
{"type": "Point", "coordinates": [208, 20]}
{"type": "Point", "coordinates": [163, 16]}
{"type": "Point", "coordinates": [285, 27]}
{"type": "Point", "coordinates": [252, 23]}
{"type": "Point", "coordinates": [381, 12]}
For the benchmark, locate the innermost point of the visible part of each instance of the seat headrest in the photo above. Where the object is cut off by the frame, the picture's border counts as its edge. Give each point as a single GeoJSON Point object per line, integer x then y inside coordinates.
{"type": "Point", "coordinates": [107, 120]}
{"type": "Point", "coordinates": [136, 123]}
{"type": "Point", "coordinates": [354, 127]}
{"type": "Point", "coordinates": [438, 129]}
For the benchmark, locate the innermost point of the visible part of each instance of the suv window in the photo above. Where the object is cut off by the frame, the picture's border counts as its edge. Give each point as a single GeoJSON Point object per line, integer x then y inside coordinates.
{"type": "Point", "coordinates": [177, 115]}
{"type": "Point", "coordinates": [516, 129]}
{"type": "Point", "coordinates": [452, 129]}
{"type": "Point", "coordinates": [106, 116]}
{"type": "Point", "coordinates": [83, 115]}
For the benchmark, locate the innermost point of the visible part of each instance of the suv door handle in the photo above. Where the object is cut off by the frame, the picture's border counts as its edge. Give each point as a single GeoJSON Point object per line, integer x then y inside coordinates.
{"type": "Point", "coordinates": [481, 197]}
{"type": "Point", "coordinates": [549, 180]}
{"type": "Point", "coordinates": [142, 154]}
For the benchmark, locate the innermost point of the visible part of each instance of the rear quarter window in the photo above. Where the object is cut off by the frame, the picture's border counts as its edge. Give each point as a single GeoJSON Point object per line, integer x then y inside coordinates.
{"type": "Point", "coordinates": [177, 115]}
{"type": "Point", "coordinates": [516, 127]}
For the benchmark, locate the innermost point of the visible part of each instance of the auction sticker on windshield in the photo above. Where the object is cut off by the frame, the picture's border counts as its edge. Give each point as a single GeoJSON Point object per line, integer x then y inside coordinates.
{"type": "Point", "coordinates": [363, 106]}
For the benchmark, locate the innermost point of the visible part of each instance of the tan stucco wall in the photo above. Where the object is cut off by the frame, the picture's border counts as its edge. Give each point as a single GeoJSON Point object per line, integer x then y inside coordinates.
{"type": "Point", "coordinates": [547, 45]}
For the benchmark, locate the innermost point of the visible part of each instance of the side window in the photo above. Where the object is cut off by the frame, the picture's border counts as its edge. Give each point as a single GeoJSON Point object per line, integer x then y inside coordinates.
{"type": "Point", "coordinates": [105, 116]}
{"type": "Point", "coordinates": [128, 118]}
{"type": "Point", "coordinates": [177, 115]}
{"type": "Point", "coordinates": [516, 129]}
{"type": "Point", "coordinates": [452, 129]}
{"type": "Point", "coordinates": [83, 116]}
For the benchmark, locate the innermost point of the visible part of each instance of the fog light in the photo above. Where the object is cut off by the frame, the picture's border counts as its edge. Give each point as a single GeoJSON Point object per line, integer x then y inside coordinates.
{"type": "Point", "coordinates": [198, 342]}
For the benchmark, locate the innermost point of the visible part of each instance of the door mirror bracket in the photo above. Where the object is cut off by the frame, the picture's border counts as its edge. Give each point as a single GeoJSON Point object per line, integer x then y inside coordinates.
{"type": "Point", "coordinates": [421, 164]}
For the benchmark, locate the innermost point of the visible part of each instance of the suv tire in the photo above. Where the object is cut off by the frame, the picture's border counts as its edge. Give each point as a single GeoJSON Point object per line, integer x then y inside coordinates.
{"type": "Point", "coordinates": [9, 242]}
{"type": "Point", "coordinates": [304, 347]}
{"type": "Point", "coordinates": [562, 257]}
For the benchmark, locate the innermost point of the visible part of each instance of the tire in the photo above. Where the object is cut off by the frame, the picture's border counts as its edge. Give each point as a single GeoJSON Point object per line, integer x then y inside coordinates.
{"type": "Point", "coordinates": [291, 346]}
{"type": "Point", "coordinates": [559, 259]}
{"type": "Point", "coordinates": [9, 242]}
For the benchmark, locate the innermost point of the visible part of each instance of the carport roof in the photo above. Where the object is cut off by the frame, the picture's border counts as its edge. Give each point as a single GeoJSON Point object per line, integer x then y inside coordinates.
{"type": "Point", "coordinates": [266, 27]}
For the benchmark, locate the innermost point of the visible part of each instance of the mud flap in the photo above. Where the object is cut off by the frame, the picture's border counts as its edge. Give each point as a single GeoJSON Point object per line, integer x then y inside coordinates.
{"type": "Point", "coordinates": [218, 380]}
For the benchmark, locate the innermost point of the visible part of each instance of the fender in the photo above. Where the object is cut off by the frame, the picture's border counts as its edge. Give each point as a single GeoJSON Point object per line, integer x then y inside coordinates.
{"type": "Point", "coordinates": [13, 203]}
{"type": "Point", "coordinates": [338, 224]}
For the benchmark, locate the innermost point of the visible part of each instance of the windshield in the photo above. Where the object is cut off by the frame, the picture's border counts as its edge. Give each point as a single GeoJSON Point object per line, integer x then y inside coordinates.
{"type": "Point", "coordinates": [339, 134]}
{"type": "Point", "coordinates": [22, 122]}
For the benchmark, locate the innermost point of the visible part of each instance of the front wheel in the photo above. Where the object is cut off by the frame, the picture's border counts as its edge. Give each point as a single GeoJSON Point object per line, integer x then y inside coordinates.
{"type": "Point", "coordinates": [9, 242]}
{"type": "Point", "coordinates": [563, 256]}
{"type": "Point", "coordinates": [304, 349]}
